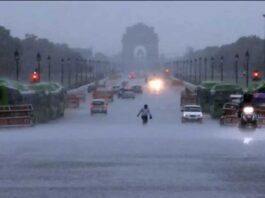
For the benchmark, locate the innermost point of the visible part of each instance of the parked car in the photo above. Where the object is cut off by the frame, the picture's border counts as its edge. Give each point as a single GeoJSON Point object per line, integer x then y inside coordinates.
{"type": "Point", "coordinates": [127, 94]}
{"type": "Point", "coordinates": [99, 106]}
{"type": "Point", "coordinates": [137, 89]}
{"type": "Point", "coordinates": [191, 113]}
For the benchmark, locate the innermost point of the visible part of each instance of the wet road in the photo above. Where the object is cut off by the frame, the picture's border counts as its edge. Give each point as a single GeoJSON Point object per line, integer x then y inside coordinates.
{"type": "Point", "coordinates": [115, 156]}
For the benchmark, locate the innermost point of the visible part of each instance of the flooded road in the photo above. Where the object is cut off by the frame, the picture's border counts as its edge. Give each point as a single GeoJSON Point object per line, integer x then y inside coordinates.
{"type": "Point", "coordinates": [115, 156]}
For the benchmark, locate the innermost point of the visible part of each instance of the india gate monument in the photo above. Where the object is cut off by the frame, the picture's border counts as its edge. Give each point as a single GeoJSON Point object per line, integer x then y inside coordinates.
{"type": "Point", "coordinates": [140, 47]}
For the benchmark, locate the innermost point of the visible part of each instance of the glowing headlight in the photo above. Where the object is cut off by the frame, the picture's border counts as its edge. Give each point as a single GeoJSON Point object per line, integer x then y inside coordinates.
{"type": "Point", "coordinates": [248, 110]}
{"type": "Point", "coordinates": [156, 84]}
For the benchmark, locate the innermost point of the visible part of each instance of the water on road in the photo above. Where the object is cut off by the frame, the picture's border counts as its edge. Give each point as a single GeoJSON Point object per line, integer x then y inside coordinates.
{"type": "Point", "coordinates": [116, 156]}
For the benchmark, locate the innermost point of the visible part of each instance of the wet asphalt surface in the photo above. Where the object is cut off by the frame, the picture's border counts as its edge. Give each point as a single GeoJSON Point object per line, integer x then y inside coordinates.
{"type": "Point", "coordinates": [115, 156]}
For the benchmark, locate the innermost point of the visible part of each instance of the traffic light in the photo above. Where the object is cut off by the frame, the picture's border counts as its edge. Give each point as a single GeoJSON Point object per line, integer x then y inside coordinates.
{"type": "Point", "coordinates": [35, 77]}
{"type": "Point", "coordinates": [256, 76]}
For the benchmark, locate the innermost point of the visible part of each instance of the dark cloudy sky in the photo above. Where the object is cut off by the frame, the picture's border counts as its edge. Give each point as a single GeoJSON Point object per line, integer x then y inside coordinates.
{"type": "Point", "coordinates": [101, 24]}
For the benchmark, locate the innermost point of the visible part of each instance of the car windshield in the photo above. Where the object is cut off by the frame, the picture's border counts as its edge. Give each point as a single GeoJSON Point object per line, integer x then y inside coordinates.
{"type": "Point", "coordinates": [98, 103]}
{"type": "Point", "coordinates": [192, 109]}
{"type": "Point", "coordinates": [127, 99]}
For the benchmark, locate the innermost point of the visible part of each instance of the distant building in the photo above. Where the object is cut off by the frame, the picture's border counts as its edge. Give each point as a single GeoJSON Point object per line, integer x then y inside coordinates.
{"type": "Point", "coordinates": [140, 47]}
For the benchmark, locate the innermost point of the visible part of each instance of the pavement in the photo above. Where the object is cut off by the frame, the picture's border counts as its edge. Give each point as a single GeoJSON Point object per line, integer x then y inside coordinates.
{"type": "Point", "coordinates": [115, 156]}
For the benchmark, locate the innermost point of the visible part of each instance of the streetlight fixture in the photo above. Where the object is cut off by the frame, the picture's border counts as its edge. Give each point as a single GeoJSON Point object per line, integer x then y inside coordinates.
{"type": "Point", "coordinates": [190, 70]}
{"type": "Point", "coordinates": [200, 69]}
{"type": "Point", "coordinates": [38, 57]}
{"type": "Point", "coordinates": [49, 67]}
{"type": "Point", "coordinates": [69, 71]}
{"type": "Point", "coordinates": [76, 70]}
{"type": "Point", "coordinates": [81, 70]}
{"type": "Point", "coordinates": [205, 68]}
{"type": "Point", "coordinates": [86, 70]}
{"type": "Point", "coordinates": [222, 68]}
{"type": "Point", "coordinates": [16, 56]}
{"type": "Point", "coordinates": [236, 67]}
{"type": "Point", "coordinates": [62, 71]}
{"type": "Point", "coordinates": [264, 48]}
{"type": "Point", "coordinates": [177, 68]}
{"type": "Point", "coordinates": [212, 68]}
{"type": "Point", "coordinates": [195, 70]}
{"type": "Point", "coordinates": [184, 69]}
{"type": "Point", "coordinates": [247, 69]}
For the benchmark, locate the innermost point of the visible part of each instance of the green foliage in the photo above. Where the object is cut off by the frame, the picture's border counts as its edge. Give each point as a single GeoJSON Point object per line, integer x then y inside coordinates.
{"type": "Point", "coordinates": [253, 44]}
{"type": "Point", "coordinates": [8, 44]}
{"type": "Point", "coordinates": [208, 84]}
{"type": "Point", "coordinates": [225, 87]}
{"type": "Point", "coordinates": [28, 49]}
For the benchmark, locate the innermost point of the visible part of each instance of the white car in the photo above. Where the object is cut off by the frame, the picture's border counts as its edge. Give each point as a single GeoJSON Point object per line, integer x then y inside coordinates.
{"type": "Point", "coordinates": [191, 113]}
{"type": "Point", "coordinates": [98, 106]}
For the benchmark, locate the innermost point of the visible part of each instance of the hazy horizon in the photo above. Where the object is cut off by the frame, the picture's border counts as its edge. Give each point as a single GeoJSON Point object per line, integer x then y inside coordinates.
{"type": "Point", "coordinates": [100, 25]}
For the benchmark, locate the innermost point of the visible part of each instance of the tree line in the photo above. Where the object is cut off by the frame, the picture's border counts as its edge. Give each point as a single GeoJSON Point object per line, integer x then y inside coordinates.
{"type": "Point", "coordinates": [27, 49]}
{"type": "Point", "coordinates": [227, 56]}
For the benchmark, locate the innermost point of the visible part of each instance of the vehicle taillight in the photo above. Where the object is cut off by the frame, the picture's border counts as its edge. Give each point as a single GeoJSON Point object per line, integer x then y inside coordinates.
{"type": "Point", "coordinates": [91, 106]}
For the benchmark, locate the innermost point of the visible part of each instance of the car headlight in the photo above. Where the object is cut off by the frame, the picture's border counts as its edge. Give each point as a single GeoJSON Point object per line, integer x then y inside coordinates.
{"type": "Point", "coordinates": [184, 115]}
{"type": "Point", "coordinates": [248, 110]}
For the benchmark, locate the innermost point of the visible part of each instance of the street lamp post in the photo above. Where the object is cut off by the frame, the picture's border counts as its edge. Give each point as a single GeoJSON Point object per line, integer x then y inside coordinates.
{"type": "Point", "coordinates": [86, 70]}
{"type": "Point", "coordinates": [92, 71]}
{"type": "Point", "coordinates": [200, 69]}
{"type": "Point", "coordinates": [16, 55]}
{"type": "Point", "coordinates": [247, 69]}
{"type": "Point", "coordinates": [205, 68]}
{"type": "Point", "coordinates": [62, 71]}
{"type": "Point", "coordinates": [69, 71]}
{"type": "Point", "coordinates": [181, 68]}
{"type": "Point", "coordinates": [187, 70]}
{"type": "Point", "coordinates": [212, 68]}
{"type": "Point", "coordinates": [195, 70]}
{"type": "Point", "coordinates": [236, 68]}
{"type": "Point", "coordinates": [222, 68]}
{"type": "Point", "coordinates": [81, 70]}
{"type": "Point", "coordinates": [177, 68]}
{"type": "Point", "coordinates": [76, 71]}
{"type": "Point", "coordinates": [190, 70]}
{"type": "Point", "coordinates": [49, 67]}
{"type": "Point", "coordinates": [38, 60]}
{"type": "Point", "coordinates": [264, 49]}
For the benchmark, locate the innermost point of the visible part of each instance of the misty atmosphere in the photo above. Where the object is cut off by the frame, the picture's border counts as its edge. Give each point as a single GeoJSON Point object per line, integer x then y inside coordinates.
{"type": "Point", "coordinates": [115, 99]}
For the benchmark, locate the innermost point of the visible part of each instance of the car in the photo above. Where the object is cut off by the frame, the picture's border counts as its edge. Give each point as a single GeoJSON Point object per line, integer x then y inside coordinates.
{"type": "Point", "coordinates": [127, 94]}
{"type": "Point", "coordinates": [91, 88]}
{"type": "Point", "coordinates": [121, 90]}
{"type": "Point", "coordinates": [116, 88]}
{"type": "Point", "coordinates": [192, 113]}
{"type": "Point", "coordinates": [124, 84]}
{"type": "Point", "coordinates": [137, 89]}
{"type": "Point", "coordinates": [99, 106]}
